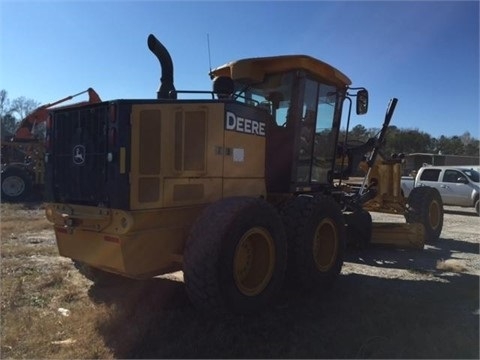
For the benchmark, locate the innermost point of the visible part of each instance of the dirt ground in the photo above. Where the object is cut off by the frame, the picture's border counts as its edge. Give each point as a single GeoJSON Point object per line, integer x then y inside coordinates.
{"type": "Point", "coordinates": [387, 303]}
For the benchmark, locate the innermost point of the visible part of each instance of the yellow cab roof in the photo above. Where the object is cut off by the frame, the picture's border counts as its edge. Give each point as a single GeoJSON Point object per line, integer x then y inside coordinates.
{"type": "Point", "coordinates": [253, 70]}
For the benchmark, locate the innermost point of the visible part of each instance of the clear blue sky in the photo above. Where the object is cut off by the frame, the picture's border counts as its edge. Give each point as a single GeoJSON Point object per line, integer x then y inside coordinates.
{"type": "Point", "coordinates": [425, 53]}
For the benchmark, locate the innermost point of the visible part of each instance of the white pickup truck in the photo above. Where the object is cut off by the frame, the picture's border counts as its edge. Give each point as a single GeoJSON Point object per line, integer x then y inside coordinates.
{"type": "Point", "coordinates": [458, 185]}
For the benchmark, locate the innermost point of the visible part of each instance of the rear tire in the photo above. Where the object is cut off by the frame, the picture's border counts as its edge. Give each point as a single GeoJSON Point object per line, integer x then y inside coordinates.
{"type": "Point", "coordinates": [316, 241]}
{"type": "Point", "coordinates": [425, 206]}
{"type": "Point", "coordinates": [477, 207]}
{"type": "Point", "coordinates": [17, 184]}
{"type": "Point", "coordinates": [235, 256]}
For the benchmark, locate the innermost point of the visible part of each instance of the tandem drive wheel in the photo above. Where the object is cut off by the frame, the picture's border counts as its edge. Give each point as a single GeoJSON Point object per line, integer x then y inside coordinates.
{"type": "Point", "coordinates": [316, 240]}
{"type": "Point", "coordinates": [235, 256]}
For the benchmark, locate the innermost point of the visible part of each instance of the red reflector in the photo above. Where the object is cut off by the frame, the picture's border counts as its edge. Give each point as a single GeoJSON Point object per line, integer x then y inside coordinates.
{"type": "Point", "coordinates": [112, 114]}
{"type": "Point", "coordinates": [48, 138]}
{"type": "Point", "coordinates": [49, 122]}
{"type": "Point", "coordinates": [112, 137]}
{"type": "Point", "coordinates": [111, 239]}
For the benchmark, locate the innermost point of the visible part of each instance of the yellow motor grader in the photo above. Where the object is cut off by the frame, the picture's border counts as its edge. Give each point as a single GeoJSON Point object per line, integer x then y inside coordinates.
{"type": "Point", "coordinates": [237, 188]}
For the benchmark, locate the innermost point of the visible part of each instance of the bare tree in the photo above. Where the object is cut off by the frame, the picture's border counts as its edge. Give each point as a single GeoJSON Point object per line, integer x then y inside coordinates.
{"type": "Point", "coordinates": [6, 117]}
{"type": "Point", "coordinates": [12, 112]}
{"type": "Point", "coordinates": [23, 106]}
{"type": "Point", "coordinates": [4, 103]}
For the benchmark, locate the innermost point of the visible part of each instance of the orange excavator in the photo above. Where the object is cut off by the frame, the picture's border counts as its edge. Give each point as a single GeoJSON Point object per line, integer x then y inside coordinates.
{"type": "Point", "coordinates": [40, 115]}
{"type": "Point", "coordinates": [22, 171]}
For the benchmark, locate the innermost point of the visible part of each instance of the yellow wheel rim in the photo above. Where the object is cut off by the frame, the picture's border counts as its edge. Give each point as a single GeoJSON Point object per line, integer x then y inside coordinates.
{"type": "Point", "coordinates": [434, 214]}
{"type": "Point", "coordinates": [325, 245]}
{"type": "Point", "coordinates": [254, 261]}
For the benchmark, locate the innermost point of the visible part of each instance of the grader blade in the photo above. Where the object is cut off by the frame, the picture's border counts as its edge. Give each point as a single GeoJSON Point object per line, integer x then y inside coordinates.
{"type": "Point", "coordinates": [398, 235]}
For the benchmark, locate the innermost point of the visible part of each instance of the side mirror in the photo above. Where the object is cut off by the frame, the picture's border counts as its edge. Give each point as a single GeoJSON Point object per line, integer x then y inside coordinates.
{"type": "Point", "coordinates": [362, 102]}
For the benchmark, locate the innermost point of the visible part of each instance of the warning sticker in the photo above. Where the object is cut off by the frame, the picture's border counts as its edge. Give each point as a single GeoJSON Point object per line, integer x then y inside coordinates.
{"type": "Point", "coordinates": [238, 155]}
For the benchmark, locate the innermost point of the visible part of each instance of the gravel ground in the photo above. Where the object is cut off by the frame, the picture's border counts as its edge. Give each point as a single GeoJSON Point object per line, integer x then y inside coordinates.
{"type": "Point", "coordinates": [387, 303]}
{"type": "Point", "coordinates": [458, 243]}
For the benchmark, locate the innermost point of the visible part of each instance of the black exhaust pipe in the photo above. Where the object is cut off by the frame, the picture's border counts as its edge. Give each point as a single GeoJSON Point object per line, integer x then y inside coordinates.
{"type": "Point", "coordinates": [167, 89]}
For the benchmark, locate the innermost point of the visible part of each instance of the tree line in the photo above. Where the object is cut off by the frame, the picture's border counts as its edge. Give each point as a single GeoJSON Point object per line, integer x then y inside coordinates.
{"type": "Point", "coordinates": [398, 140]}
{"type": "Point", "coordinates": [409, 141]}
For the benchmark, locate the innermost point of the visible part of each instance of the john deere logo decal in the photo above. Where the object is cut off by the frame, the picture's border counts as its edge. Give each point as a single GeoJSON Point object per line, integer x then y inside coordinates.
{"type": "Point", "coordinates": [79, 155]}
{"type": "Point", "coordinates": [244, 125]}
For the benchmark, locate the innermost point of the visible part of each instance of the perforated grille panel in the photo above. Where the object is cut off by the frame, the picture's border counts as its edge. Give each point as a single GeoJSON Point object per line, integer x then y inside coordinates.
{"type": "Point", "coordinates": [190, 140]}
{"type": "Point", "coordinates": [149, 155]}
{"type": "Point", "coordinates": [80, 155]}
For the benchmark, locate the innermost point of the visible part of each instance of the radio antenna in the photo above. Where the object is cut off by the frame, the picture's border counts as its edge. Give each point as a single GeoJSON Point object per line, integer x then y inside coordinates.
{"type": "Point", "coordinates": [209, 57]}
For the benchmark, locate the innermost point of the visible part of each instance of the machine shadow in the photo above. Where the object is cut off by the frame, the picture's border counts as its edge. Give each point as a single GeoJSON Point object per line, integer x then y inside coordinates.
{"type": "Point", "coordinates": [127, 294]}
{"type": "Point", "coordinates": [460, 212]}
{"type": "Point", "coordinates": [361, 317]}
{"type": "Point", "coordinates": [412, 259]}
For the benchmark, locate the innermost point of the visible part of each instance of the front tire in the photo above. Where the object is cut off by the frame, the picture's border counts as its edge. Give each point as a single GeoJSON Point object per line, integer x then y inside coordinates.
{"type": "Point", "coordinates": [235, 256]}
{"type": "Point", "coordinates": [425, 206]}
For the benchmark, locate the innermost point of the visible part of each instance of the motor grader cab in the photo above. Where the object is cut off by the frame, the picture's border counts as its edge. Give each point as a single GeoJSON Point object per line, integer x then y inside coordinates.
{"type": "Point", "coordinates": [235, 188]}
{"type": "Point", "coordinates": [23, 154]}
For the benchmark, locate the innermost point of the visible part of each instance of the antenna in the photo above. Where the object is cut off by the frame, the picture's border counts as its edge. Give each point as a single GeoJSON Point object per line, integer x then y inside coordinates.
{"type": "Point", "coordinates": [209, 57]}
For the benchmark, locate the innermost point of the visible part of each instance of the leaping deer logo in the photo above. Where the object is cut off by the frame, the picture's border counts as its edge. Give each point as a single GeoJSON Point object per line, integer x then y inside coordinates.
{"type": "Point", "coordinates": [79, 155]}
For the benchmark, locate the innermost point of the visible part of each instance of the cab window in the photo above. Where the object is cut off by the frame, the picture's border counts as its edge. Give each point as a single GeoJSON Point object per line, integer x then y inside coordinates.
{"type": "Point", "coordinates": [317, 132]}
{"type": "Point", "coordinates": [325, 133]}
{"type": "Point", "coordinates": [430, 175]}
{"type": "Point", "coordinates": [453, 176]}
{"type": "Point", "coordinates": [274, 95]}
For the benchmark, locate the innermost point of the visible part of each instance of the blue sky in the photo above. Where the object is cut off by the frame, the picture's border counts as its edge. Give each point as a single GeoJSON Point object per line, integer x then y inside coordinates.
{"type": "Point", "coordinates": [425, 53]}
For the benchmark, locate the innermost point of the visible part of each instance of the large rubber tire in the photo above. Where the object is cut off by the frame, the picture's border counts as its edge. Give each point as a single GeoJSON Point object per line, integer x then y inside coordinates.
{"type": "Point", "coordinates": [477, 207]}
{"type": "Point", "coordinates": [17, 184]}
{"type": "Point", "coordinates": [425, 206]}
{"type": "Point", "coordinates": [235, 256]}
{"type": "Point", "coordinates": [99, 277]}
{"type": "Point", "coordinates": [316, 241]}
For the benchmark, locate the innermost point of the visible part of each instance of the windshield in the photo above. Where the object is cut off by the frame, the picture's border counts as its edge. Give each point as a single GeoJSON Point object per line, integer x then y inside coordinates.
{"type": "Point", "coordinates": [472, 174]}
{"type": "Point", "coordinates": [273, 94]}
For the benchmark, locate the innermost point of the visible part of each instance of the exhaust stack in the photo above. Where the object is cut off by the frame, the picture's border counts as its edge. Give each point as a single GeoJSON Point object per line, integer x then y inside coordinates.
{"type": "Point", "coordinates": [166, 64]}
